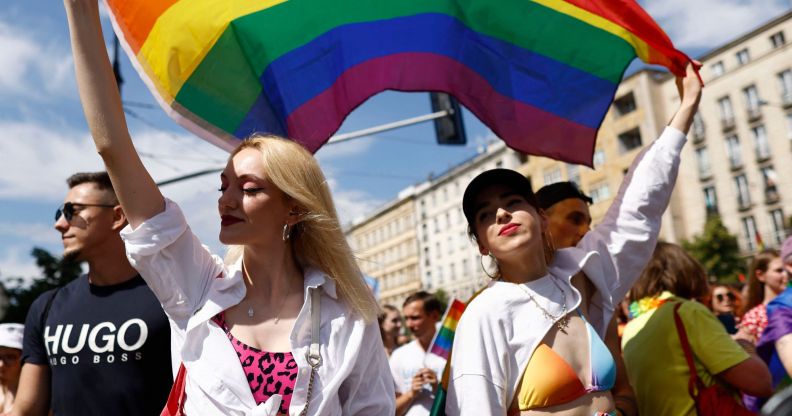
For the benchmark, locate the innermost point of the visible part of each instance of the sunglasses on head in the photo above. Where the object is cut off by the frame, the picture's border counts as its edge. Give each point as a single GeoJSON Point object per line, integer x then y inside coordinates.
{"type": "Point", "coordinates": [721, 296]}
{"type": "Point", "coordinates": [67, 209]}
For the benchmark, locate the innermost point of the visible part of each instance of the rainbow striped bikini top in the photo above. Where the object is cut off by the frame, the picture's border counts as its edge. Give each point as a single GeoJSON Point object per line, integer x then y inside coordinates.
{"type": "Point", "coordinates": [548, 380]}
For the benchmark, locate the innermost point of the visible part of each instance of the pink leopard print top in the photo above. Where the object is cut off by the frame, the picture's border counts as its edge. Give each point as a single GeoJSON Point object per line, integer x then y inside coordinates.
{"type": "Point", "coordinates": [267, 373]}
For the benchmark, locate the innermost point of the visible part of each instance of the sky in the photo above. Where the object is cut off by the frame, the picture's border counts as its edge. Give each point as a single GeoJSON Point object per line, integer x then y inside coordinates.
{"type": "Point", "coordinates": [44, 138]}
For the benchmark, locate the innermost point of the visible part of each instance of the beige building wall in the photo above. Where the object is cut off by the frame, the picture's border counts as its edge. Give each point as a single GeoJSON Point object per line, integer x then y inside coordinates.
{"type": "Point", "coordinates": [707, 161]}
{"type": "Point", "coordinates": [386, 247]}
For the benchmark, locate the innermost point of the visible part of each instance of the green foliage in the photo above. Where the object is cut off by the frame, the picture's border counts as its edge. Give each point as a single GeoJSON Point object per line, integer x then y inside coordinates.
{"type": "Point", "coordinates": [717, 250]}
{"type": "Point", "coordinates": [442, 296]}
{"type": "Point", "coordinates": [56, 272]}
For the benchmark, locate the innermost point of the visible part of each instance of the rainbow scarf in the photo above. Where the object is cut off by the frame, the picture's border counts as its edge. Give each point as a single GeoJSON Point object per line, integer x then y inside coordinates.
{"type": "Point", "coordinates": [541, 74]}
{"type": "Point", "coordinates": [444, 338]}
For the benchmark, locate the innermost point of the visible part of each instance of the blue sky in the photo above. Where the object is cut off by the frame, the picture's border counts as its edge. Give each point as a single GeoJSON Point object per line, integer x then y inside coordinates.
{"type": "Point", "coordinates": [43, 137]}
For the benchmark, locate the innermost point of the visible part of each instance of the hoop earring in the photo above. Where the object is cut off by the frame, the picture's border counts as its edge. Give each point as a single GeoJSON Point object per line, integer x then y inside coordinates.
{"type": "Point", "coordinates": [286, 233]}
{"type": "Point", "coordinates": [484, 269]}
{"type": "Point", "coordinates": [549, 247]}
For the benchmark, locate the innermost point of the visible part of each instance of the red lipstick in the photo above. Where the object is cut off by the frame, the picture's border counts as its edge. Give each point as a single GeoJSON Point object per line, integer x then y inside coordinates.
{"type": "Point", "coordinates": [509, 229]}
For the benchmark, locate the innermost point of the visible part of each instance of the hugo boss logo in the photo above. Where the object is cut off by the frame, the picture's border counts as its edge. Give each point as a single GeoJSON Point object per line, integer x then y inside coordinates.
{"type": "Point", "coordinates": [103, 340]}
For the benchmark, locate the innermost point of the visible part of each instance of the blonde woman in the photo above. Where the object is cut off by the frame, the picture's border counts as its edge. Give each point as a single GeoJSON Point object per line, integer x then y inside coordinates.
{"type": "Point", "coordinates": [286, 325]}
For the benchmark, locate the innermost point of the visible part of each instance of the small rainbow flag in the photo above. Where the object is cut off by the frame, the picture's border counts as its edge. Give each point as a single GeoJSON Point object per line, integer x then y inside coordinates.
{"type": "Point", "coordinates": [444, 338]}
{"type": "Point", "coordinates": [540, 73]}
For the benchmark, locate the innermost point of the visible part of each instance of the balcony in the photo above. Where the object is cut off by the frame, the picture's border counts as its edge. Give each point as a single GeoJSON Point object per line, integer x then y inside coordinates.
{"type": "Point", "coordinates": [754, 113]}
{"type": "Point", "coordinates": [735, 163]}
{"type": "Point", "coordinates": [743, 203]}
{"type": "Point", "coordinates": [727, 123]}
{"type": "Point", "coordinates": [698, 134]}
{"type": "Point", "coordinates": [771, 195]}
{"type": "Point", "coordinates": [786, 99]}
{"type": "Point", "coordinates": [762, 155]}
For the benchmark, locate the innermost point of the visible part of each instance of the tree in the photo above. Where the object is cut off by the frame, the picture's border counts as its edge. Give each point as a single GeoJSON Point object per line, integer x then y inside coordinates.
{"type": "Point", "coordinates": [717, 250]}
{"type": "Point", "coordinates": [56, 273]}
{"type": "Point", "coordinates": [442, 296]}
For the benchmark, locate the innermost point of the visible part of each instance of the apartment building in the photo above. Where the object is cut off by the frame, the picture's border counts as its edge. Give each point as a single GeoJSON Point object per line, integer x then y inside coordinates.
{"type": "Point", "coordinates": [739, 159]}
{"type": "Point", "coordinates": [449, 259]}
{"type": "Point", "coordinates": [386, 247]}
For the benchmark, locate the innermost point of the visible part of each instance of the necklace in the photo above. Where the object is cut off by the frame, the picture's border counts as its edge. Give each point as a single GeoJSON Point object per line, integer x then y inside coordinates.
{"type": "Point", "coordinates": [250, 311]}
{"type": "Point", "coordinates": [562, 321]}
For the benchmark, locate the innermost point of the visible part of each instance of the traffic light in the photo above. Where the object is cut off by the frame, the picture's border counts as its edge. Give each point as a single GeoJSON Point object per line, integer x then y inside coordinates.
{"type": "Point", "coordinates": [448, 129]}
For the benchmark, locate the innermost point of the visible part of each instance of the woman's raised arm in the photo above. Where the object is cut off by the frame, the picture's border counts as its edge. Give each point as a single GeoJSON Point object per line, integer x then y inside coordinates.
{"type": "Point", "coordinates": [101, 101]}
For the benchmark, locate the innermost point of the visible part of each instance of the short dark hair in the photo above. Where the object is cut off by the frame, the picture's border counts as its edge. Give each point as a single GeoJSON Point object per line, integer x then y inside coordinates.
{"type": "Point", "coordinates": [671, 269]}
{"type": "Point", "coordinates": [430, 302]}
{"type": "Point", "coordinates": [100, 179]}
{"type": "Point", "coordinates": [554, 193]}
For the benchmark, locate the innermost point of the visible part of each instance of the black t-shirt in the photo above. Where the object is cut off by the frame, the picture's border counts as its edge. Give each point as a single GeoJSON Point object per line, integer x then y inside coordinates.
{"type": "Point", "coordinates": [108, 348]}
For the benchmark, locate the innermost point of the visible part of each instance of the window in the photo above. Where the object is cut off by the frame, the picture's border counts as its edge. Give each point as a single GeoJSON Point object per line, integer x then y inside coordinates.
{"type": "Point", "coordinates": [629, 140]}
{"type": "Point", "coordinates": [698, 126]}
{"type": "Point", "coordinates": [789, 125]}
{"type": "Point", "coordinates": [552, 175]}
{"type": "Point", "coordinates": [710, 200]}
{"type": "Point", "coordinates": [599, 192]}
{"type": "Point", "coordinates": [718, 69]}
{"type": "Point", "coordinates": [624, 105]}
{"type": "Point", "coordinates": [785, 79]}
{"type": "Point", "coordinates": [450, 243]}
{"type": "Point", "coordinates": [777, 216]}
{"type": "Point", "coordinates": [465, 268]}
{"type": "Point", "coordinates": [599, 155]}
{"type": "Point", "coordinates": [573, 173]}
{"type": "Point", "coordinates": [726, 110]}
{"type": "Point", "coordinates": [743, 194]}
{"type": "Point", "coordinates": [733, 150]}
{"type": "Point", "coordinates": [440, 275]}
{"type": "Point", "coordinates": [703, 163]}
{"type": "Point", "coordinates": [743, 57]}
{"type": "Point", "coordinates": [749, 232]}
{"type": "Point", "coordinates": [770, 181]}
{"type": "Point", "coordinates": [751, 98]}
{"type": "Point", "coordinates": [777, 39]}
{"type": "Point", "coordinates": [761, 144]}
{"type": "Point", "coordinates": [453, 276]}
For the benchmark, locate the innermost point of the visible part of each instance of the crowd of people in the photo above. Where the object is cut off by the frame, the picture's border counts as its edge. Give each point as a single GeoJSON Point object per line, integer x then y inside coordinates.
{"type": "Point", "coordinates": [285, 324]}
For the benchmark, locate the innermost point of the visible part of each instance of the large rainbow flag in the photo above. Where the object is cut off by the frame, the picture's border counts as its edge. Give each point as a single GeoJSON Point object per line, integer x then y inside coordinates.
{"type": "Point", "coordinates": [540, 73]}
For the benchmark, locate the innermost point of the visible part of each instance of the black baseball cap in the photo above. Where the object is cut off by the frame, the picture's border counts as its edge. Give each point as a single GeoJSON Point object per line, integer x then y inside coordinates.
{"type": "Point", "coordinates": [554, 193]}
{"type": "Point", "coordinates": [508, 177]}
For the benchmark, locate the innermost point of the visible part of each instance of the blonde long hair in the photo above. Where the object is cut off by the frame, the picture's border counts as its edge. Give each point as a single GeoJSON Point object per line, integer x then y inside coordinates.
{"type": "Point", "coordinates": [317, 240]}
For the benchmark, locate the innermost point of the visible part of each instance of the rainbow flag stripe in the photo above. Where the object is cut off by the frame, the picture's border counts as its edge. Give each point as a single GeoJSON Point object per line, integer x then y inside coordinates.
{"type": "Point", "coordinates": [541, 74]}
{"type": "Point", "coordinates": [444, 338]}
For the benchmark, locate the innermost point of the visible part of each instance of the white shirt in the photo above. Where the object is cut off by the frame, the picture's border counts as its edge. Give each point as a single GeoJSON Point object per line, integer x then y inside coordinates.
{"type": "Point", "coordinates": [500, 328]}
{"type": "Point", "coordinates": [405, 363]}
{"type": "Point", "coordinates": [193, 286]}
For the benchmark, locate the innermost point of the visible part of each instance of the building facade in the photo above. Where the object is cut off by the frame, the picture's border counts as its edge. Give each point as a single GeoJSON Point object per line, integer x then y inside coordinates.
{"type": "Point", "coordinates": [738, 162]}
{"type": "Point", "coordinates": [449, 258]}
{"type": "Point", "coordinates": [386, 247]}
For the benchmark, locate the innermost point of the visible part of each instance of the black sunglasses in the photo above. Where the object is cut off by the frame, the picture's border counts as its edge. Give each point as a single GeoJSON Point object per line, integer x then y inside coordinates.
{"type": "Point", "coordinates": [729, 295]}
{"type": "Point", "coordinates": [67, 209]}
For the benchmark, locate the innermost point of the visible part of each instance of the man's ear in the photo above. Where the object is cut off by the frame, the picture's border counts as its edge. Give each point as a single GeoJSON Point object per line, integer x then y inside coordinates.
{"type": "Point", "coordinates": [119, 218]}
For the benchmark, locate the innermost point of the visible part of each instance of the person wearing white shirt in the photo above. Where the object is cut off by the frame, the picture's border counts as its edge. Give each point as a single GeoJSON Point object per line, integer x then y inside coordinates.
{"type": "Point", "coordinates": [289, 294]}
{"type": "Point", "coordinates": [531, 343]}
{"type": "Point", "coordinates": [415, 370]}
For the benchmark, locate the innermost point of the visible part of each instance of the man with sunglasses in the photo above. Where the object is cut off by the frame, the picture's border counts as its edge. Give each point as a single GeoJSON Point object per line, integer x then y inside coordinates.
{"type": "Point", "coordinates": [101, 344]}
